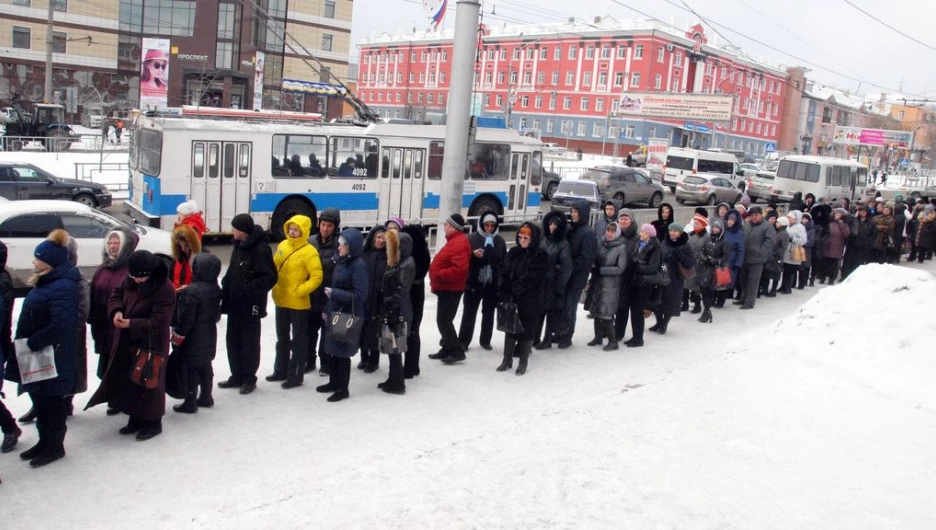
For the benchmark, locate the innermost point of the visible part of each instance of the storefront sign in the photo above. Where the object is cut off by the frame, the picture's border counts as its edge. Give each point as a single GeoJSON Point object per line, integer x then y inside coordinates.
{"type": "Point", "coordinates": [699, 107]}
{"type": "Point", "coordinates": [873, 137]}
{"type": "Point", "coordinates": [192, 57]}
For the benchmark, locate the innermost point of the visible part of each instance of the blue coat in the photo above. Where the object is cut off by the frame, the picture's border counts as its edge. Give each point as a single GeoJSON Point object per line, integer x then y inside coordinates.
{"type": "Point", "coordinates": [349, 290]}
{"type": "Point", "coordinates": [49, 317]}
{"type": "Point", "coordinates": [735, 238]}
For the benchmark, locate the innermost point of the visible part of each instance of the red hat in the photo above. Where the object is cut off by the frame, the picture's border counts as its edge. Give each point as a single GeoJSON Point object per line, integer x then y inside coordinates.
{"type": "Point", "coordinates": [155, 54]}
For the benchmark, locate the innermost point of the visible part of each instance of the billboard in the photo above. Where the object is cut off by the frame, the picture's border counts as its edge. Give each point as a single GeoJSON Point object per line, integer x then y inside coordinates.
{"type": "Point", "coordinates": [698, 107]}
{"type": "Point", "coordinates": [154, 74]}
{"type": "Point", "coordinates": [856, 136]}
{"type": "Point", "coordinates": [259, 61]}
{"type": "Point", "coordinates": [656, 152]}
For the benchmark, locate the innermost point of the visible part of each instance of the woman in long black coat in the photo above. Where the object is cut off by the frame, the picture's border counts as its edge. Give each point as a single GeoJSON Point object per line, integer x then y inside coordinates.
{"type": "Point", "coordinates": [346, 295]}
{"type": "Point", "coordinates": [141, 309]}
{"type": "Point", "coordinates": [375, 257]}
{"type": "Point", "coordinates": [421, 258]}
{"type": "Point", "coordinates": [559, 270]}
{"type": "Point", "coordinates": [521, 282]}
{"type": "Point", "coordinates": [647, 262]}
{"type": "Point", "coordinates": [676, 251]}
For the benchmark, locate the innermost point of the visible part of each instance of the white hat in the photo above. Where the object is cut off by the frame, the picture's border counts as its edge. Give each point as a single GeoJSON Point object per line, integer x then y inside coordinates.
{"type": "Point", "coordinates": [784, 221]}
{"type": "Point", "coordinates": [879, 199]}
{"type": "Point", "coordinates": [187, 208]}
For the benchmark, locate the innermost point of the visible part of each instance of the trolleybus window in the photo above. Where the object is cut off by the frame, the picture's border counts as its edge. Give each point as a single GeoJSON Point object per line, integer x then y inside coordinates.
{"type": "Point", "coordinates": [418, 166]}
{"type": "Point", "coordinates": [213, 161]}
{"type": "Point", "coordinates": [229, 156]}
{"type": "Point", "coordinates": [490, 162]}
{"type": "Point", "coordinates": [297, 155]}
{"type": "Point", "coordinates": [243, 167]}
{"type": "Point", "coordinates": [408, 164]}
{"type": "Point", "coordinates": [436, 156]}
{"type": "Point", "coordinates": [353, 157]}
{"type": "Point", "coordinates": [537, 177]}
{"type": "Point", "coordinates": [198, 162]}
{"type": "Point", "coordinates": [146, 152]}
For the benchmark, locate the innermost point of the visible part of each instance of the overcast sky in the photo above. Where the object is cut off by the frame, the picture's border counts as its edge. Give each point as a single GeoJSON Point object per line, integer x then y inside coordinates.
{"type": "Point", "coordinates": [829, 33]}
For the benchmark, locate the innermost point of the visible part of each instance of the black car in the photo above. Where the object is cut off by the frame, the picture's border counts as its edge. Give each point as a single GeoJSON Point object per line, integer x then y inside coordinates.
{"type": "Point", "coordinates": [550, 183]}
{"type": "Point", "coordinates": [26, 181]}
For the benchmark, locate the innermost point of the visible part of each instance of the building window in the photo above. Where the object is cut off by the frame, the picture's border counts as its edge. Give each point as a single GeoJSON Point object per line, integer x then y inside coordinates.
{"type": "Point", "coordinates": [773, 130]}
{"type": "Point", "coordinates": [412, 77]}
{"type": "Point", "coordinates": [513, 78]}
{"type": "Point", "coordinates": [661, 54]}
{"type": "Point", "coordinates": [651, 132]}
{"type": "Point", "coordinates": [544, 53]}
{"type": "Point", "coordinates": [541, 78]}
{"type": "Point", "coordinates": [557, 53]}
{"type": "Point", "coordinates": [422, 57]}
{"type": "Point", "coordinates": [612, 131]}
{"type": "Point", "coordinates": [549, 125]}
{"type": "Point", "coordinates": [329, 9]}
{"type": "Point", "coordinates": [430, 97]}
{"type": "Point", "coordinates": [60, 5]}
{"type": "Point", "coordinates": [597, 130]}
{"type": "Point", "coordinates": [603, 79]}
{"type": "Point", "coordinates": [584, 103]}
{"type": "Point", "coordinates": [635, 80]}
{"type": "Point", "coordinates": [566, 127]}
{"type": "Point", "coordinates": [380, 96]}
{"type": "Point", "coordinates": [59, 42]}
{"type": "Point", "coordinates": [444, 56]}
{"type": "Point", "coordinates": [419, 97]}
{"type": "Point", "coordinates": [422, 78]}
{"type": "Point", "coordinates": [758, 128]}
{"type": "Point", "coordinates": [570, 78]}
{"type": "Point", "coordinates": [657, 81]}
{"type": "Point", "coordinates": [500, 100]}
{"type": "Point", "coordinates": [500, 78]}
{"type": "Point", "coordinates": [528, 78]}
{"type": "Point", "coordinates": [678, 58]}
{"type": "Point", "coordinates": [24, 3]}
{"type": "Point", "coordinates": [552, 101]}
{"type": "Point", "coordinates": [586, 79]}
{"type": "Point", "coordinates": [615, 105]}
{"type": "Point", "coordinates": [503, 55]}
{"type": "Point", "coordinates": [399, 77]}
{"type": "Point", "coordinates": [489, 78]}
{"type": "Point", "coordinates": [629, 131]}
{"type": "Point", "coordinates": [442, 77]}
{"type": "Point", "coordinates": [531, 53]}
{"type": "Point", "coordinates": [599, 105]}
{"type": "Point", "coordinates": [590, 52]}
{"type": "Point", "coordinates": [605, 51]}
{"type": "Point", "coordinates": [487, 100]}
{"type": "Point", "coordinates": [516, 54]}
{"type": "Point", "coordinates": [827, 115]}
{"type": "Point", "coordinates": [538, 102]}
{"type": "Point", "coordinates": [327, 42]}
{"type": "Point", "coordinates": [572, 51]}
{"type": "Point", "coordinates": [22, 37]}
{"type": "Point", "coordinates": [398, 95]}
{"type": "Point", "coordinates": [224, 55]}
{"type": "Point", "coordinates": [675, 87]}
{"type": "Point", "coordinates": [638, 51]}
{"type": "Point", "coordinates": [409, 97]}
{"type": "Point", "coordinates": [525, 101]}
{"type": "Point", "coordinates": [567, 103]}
{"type": "Point", "coordinates": [178, 19]}
{"type": "Point", "coordinates": [621, 51]}
{"type": "Point", "coordinates": [554, 79]}
{"type": "Point", "coordinates": [619, 79]}
{"type": "Point", "coordinates": [581, 128]}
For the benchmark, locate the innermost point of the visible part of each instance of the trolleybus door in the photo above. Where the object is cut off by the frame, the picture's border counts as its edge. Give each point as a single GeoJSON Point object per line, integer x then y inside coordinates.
{"type": "Point", "coordinates": [227, 183]}
{"type": "Point", "coordinates": [199, 178]}
{"type": "Point", "coordinates": [211, 205]}
{"type": "Point", "coordinates": [235, 197]}
{"type": "Point", "coordinates": [413, 184]}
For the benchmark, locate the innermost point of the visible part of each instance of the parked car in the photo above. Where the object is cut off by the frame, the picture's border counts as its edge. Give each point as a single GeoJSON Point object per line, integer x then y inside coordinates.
{"type": "Point", "coordinates": [24, 224]}
{"type": "Point", "coordinates": [570, 192]}
{"type": "Point", "coordinates": [19, 181]}
{"type": "Point", "coordinates": [760, 186]}
{"type": "Point", "coordinates": [682, 162]}
{"type": "Point", "coordinates": [550, 183]}
{"type": "Point", "coordinates": [625, 185]}
{"type": "Point", "coordinates": [707, 189]}
{"type": "Point", "coordinates": [749, 170]}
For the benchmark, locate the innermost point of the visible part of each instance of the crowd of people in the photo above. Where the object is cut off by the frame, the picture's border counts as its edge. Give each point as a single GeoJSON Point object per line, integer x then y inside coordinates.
{"type": "Point", "coordinates": [336, 293]}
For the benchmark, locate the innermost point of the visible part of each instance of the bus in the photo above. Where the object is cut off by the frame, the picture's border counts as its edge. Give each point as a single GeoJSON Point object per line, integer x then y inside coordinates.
{"type": "Point", "coordinates": [271, 170]}
{"type": "Point", "coordinates": [824, 177]}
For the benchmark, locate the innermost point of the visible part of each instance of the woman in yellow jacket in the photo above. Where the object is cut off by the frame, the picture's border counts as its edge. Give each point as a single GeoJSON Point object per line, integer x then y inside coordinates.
{"type": "Point", "coordinates": [300, 273]}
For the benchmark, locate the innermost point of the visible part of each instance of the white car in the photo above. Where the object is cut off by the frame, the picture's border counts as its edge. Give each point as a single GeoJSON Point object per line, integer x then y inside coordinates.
{"type": "Point", "coordinates": [24, 224]}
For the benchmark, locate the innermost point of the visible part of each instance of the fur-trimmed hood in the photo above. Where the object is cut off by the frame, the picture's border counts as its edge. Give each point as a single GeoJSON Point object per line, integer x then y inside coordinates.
{"type": "Point", "coordinates": [190, 236]}
{"type": "Point", "coordinates": [561, 229]}
{"type": "Point", "coordinates": [392, 238]}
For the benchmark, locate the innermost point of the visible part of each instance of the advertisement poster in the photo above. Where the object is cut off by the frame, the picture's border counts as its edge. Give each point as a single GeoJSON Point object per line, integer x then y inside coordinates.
{"type": "Point", "coordinates": [872, 137]}
{"type": "Point", "coordinates": [696, 107]}
{"type": "Point", "coordinates": [154, 74]}
{"type": "Point", "coordinates": [259, 63]}
{"type": "Point", "coordinates": [656, 152]}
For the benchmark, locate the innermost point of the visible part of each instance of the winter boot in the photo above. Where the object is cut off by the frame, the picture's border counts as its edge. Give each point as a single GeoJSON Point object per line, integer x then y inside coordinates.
{"type": "Point", "coordinates": [189, 406]}
{"type": "Point", "coordinates": [706, 316]}
{"type": "Point", "coordinates": [510, 345]}
{"type": "Point", "coordinates": [410, 365]}
{"type": "Point", "coordinates": [31, 414]}
{"type": "Point", "coordinates": [546, 343]}
{"type": "Point", "coordinates": [696, 304]}
{"type": "Point", "coordinates": [10, 440]}
{"type": "Point", "coordinates": [523, 350]}
{"type": "Point", "coordinates": [150, 430]}
{"type": "Point", "coordinates": [133, 426]}
{"type": "Point", "coordinates": [659, 321]}
{"type": "Point", "coordinates": [598, 333]}
{"type": "Point", "coordinates": [395, 382]}
{"type": "Point", "coordinates": [664, 325]}
{"type": "Point", "coordinates": [608, 326]}
{"type": "Point", "coordinates": [685, 301]}
{"type": "Point", "coordinates": [204, 397]}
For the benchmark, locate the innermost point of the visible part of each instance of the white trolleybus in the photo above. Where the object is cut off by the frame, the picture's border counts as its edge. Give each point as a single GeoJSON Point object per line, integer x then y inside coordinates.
{"type": "Point", "coordinates": [824, 177]}
{"type": "Point", "coordinates": [370, 173]}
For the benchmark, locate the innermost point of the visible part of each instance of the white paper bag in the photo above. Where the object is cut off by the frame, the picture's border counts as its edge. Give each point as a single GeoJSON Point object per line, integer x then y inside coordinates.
{"type": "Point", "coordinates": [34, 366]}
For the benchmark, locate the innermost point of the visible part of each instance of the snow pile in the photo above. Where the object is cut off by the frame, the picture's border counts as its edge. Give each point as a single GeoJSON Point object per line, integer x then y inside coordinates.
{"type": "Point", "coordinates": [876, 328]}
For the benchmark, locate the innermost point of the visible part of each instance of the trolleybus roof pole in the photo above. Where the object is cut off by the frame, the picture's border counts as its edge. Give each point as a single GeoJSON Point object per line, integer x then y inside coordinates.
{"type": "Point", "coordinates": [459, 119]}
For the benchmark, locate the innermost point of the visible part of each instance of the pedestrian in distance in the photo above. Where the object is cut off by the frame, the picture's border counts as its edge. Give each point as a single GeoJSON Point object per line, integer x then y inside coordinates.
{"type": "Point", "coordinates": [244, 289]}
{"type": "Point", "coordinates": [448, 277]}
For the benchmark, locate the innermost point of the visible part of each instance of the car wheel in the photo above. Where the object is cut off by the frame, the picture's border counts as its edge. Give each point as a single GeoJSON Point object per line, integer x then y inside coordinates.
{"type": "Point", "coordinates": [711, 200]}
{"type": "Point", "coordinates": [618, 199]}
{"type": "Point", "coordinates": [656, 200]}
{"type": "Point", "coordinates": [482, 206]}
{"type": "Point", "coordinates": [286, 209]}
{"type": "Point", "coordinates": [87, 200]}
{"type": "Point", "coordinates": [738, 199]}
{"type": "Point", "coordinates": [915, 195]}
{"type": "Point", "coordinates": [551, 190]}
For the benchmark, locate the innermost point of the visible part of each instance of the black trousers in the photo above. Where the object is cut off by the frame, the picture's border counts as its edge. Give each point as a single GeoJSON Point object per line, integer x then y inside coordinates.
{"type": "Point", "coordinates": [623, 312]}
{"type": "Point", "coordinates": [316, 324]}
{"type": "Point", "coordinates": [445, 320]}
{"type": "Point", "coordinates": [830, 269]}
{"type": "Point", "coordinates": [292, 343]}
{"type": "Point", "coordinates": [340, 375]}
{"type": "Point", "coordinates": [243, 348]}
{"type": "Point", "coordinates": [878, 256]}
{"type": "Point", "coordinates": [708, 298]}
{"type": "Point", "coordinates": [51, 413]}
{"type": "Point", "coordinates": [752, 276]}
{"type": "Point", "coordinates": [486, 297]}
{"type": "Point", "coordinates": [413, 341]}
{"type": "Point", "coordinates": [789, 276]}
{"type": "Point", "coordinates": [199, 376]}
{"type": "Point", "coordinates": [571, 311]}
{"type": "Point", "coordinates": [638, 301]}
{"type": "Point", "coordinates": [550, 325]}
{"type": "Point", "coordinates": [7, 423]}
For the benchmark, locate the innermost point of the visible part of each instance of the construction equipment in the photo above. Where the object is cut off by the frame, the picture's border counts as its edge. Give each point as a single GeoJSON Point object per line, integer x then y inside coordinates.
{"type": "Point", "coordinates": [45, 124]}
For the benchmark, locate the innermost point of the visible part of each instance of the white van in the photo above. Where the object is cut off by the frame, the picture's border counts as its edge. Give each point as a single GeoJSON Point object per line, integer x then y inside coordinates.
{"type": "Point", "coordinates": [682, 162]}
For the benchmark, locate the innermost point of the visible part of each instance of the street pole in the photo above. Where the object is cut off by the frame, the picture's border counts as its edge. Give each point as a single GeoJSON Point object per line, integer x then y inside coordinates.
{"type": "Point", "coordinates": [458, 126]}
{"type": "Point", "coordinates": [604, 137]}
{"type": "Point", "coordinates": [48, 57]}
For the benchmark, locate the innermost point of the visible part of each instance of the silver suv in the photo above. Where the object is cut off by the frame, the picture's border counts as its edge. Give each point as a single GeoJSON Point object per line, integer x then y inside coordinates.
{"type": "Point", "coordinates": [625, 185]}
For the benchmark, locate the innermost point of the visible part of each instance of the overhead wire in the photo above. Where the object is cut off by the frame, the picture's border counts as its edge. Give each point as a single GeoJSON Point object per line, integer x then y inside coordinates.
{"type": "Point", "coordinates": [888, 26]}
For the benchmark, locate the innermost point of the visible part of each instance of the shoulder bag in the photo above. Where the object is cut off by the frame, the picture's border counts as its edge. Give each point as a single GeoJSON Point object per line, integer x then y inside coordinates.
{"type": "Point", "coordinates": [660, 278]}
{"type": "Point", "coordinates": [508, 318]}
{"type": "Point", "coordinates": [345, 327]}
{"type": "Point", "coordinates": [686, 273]}
{"type": "Point", "coordinates": [147, 363]}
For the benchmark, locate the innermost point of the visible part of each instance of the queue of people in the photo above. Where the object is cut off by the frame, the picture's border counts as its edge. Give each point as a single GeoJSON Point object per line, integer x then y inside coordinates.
{"type": "Point", "coordinates": [336, 293]}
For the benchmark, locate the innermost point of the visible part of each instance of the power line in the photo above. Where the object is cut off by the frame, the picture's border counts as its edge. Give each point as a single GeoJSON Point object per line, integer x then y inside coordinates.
{"type": "Point", "coordinates": [888, 26]}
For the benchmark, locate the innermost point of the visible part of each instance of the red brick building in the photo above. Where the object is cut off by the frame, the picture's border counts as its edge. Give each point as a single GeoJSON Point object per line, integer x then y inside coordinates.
{"type": "Point", "coordinates": [566, 80]}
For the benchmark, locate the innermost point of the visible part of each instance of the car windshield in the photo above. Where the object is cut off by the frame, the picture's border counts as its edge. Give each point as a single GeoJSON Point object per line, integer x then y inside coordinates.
{"type": "Point", "coordinates": [117, 223]}
{"type": "Point", "coordinates": [694, 180]}
{"type": "Point", "coordinates": [576, 189]}
{"type": "Point", "coordinates": [679, 162]}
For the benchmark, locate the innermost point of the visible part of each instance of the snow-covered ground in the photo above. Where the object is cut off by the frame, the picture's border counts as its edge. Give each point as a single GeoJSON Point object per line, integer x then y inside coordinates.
{"type": "Point", "coordinates": [815, 410]}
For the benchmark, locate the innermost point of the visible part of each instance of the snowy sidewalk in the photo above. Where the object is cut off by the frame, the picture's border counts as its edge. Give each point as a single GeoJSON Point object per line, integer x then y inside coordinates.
{"type": "Point", "coordinates": [763, 419]}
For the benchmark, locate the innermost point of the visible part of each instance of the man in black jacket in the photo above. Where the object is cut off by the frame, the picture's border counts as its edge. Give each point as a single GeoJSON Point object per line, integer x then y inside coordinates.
{"type": "Point", "coordinates": [326, 242]}
{"type": "Point", "coordinates": [584, 249]}
{"type": "Point", "coordinates": [244, 290]}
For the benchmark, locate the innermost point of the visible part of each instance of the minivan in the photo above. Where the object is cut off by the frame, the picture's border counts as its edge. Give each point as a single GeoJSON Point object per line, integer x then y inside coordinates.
{"type": "Point", "coordinates": [681, 162]}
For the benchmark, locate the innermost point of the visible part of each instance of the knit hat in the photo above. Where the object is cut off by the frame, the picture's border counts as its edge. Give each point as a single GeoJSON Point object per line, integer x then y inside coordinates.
{"type": "Point", "coordinates": [54, 250]}
{"type": "Point", "coordinates": [187, 208]}
{"type": "Point", "coordinates": [701, 212]}
{"type": "Point", "coordinates": [648, 228]}
{"type": "Point", "coordinates": [456, 221]}
{"type": "Point", "coordinates": [243, 222]}
{"type": "Point", "coordinates": [398, 220]}
{"type": "Point", "coordinates": [842, 211]}
{"type": "Point", "coordinates": [755, 209]}
{"type": "Point", "coordinates": [489, 217]}
{"type": "Point", "coordinates": [676, 227]}
{"type": "Point", "coordinates": [742, 209]}
{"type": "Point", "coordinates": [783, 221]}
{"type": "Point", "coordinates": [142, 264]}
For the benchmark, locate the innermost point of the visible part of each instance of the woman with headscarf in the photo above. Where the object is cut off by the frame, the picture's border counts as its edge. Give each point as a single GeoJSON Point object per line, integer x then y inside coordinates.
{"type": "Point", "coordinates": [714, 254]}
{"type": "Point", "coordinates": [791, 262]}
{"type": "Point", "coordinates": [604, 290]}
{"type": "Point", "coordinates": [49, 318]}
{"type": "Point", "coordinates": [664, 219]}
{"type": "Point", "coordinates": [141, 309]}
{"type": "Point", "coordinates": [521, 282]}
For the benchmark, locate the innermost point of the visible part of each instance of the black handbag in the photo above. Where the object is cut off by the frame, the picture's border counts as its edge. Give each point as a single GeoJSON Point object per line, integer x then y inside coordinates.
{"type": "Point", "coordinates": [176, 377]}
{"type": "Point", "coordinates": [345, 327]}
{"type": "Point", "coordinates": [508, 319]}
{"type": "Point", "coordinates": [660, 278]}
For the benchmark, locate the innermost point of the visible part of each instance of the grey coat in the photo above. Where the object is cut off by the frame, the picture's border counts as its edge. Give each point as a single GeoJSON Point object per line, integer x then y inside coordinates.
{"type": "Point", "coordinates": [758, 242]}
{"type": "Point", "coordinates": [605, 286]}
{"type": "Point", "coordinates": [696, 242]}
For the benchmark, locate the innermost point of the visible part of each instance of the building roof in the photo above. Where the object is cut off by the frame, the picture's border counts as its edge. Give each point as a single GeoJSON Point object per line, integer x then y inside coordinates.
{"type": "Point", "coordinates": [601, 26]}
{"type": "Point", "coordinates": [835, 96]}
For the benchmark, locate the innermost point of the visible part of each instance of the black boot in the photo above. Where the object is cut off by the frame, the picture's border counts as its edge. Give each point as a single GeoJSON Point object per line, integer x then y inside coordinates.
{"type": "Point", "coordinates": [29, 417]}
{"type": "Point", "coordinates": [696, 304]}
{"type": "Point", "coordinates": [189, 406]}
{"type": "Point", "coordinates": [133, 426]}
{"type": "Point", "coordinates": [608, 326]}
{"type": "Point", "coordinates": [706, 316]}
{"type": "Point", "coordinates": [659, 321]}
{"type": "Point", "coordinates": [523, 350]}
{"type": "Point", "coordinates": [395, 383]}
{"type": "Point", "coordinates": [10, 440]}
{"type": "Point", "coordinates": [343, 367]}
{"type": "Point", "coordinates": [510, 345]}
{"type": "Point", "coordinates": [664, 325]}
{"type": "Point", "coordinates": [598, 333]}
{"type": "Point", "coordinates": [685, 301]}
{"type": "Point", "coordinates": [546, 343]}
{"type": "Point", "coordinates": [150, 430]}
{"type": "Point", "coordinates": [410, 365]}
{"type": "Point", "coordinates": [204, 397]}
